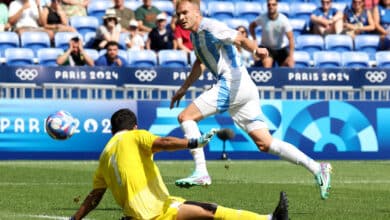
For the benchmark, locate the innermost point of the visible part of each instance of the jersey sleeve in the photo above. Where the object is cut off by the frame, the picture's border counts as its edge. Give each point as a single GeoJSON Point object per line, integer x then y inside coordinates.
{"type": "Point", "coordinates": [145, 139]}
{"type": "Point", "coordinates": [98, 179]}
{"type": "Point", "coordinates": [222, 32]}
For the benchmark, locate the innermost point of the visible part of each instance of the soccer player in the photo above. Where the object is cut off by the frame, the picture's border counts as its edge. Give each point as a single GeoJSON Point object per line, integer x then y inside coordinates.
{"type": "Point", "coordinates": [127, 168]}
{"type": "Point", "coordinates": [214, 45]}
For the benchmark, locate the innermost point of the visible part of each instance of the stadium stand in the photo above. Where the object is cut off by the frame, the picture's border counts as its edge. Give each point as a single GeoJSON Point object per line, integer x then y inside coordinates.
{"type": "Point", "coordinates": [327, 59]}
{"type": "Point", "coordinates": [309, 43]}
{"type": "Point", "coordinates": [302, 59]}
{"type": "Point", "coordinates": [172, 58]}
{"type": "Point", "coordinates": [338, 42]}
{"type": "Point", "coordinates": [355, 59]}
{"type": "Point", "coordinates": [298, 25]}
{"type": "Point", "coordinates": [48, 56]}
{"type": "Point", "coordinates": [94, 54]}
{"type": "Point", "coordinates": [165, 6]}
{"type": "Point", "coordinates": [382, 59]}
{"type": "Point", "coordinates": [61, 39]}
{"type": "Point", "coordinates": [19, 56]}
{"type": "Point", "coordinates": [98, 9]}
{"type": "Point", "coordinates": [8, 40]}
{"type": "Point", "coordinates": [143, 58]}
{"type": "Point", "coordinates": [121, 53]}
{"type": "Point", "coordinates": [84, 24]}
{"type": "Point", "coordinates": [34, 40]}
{"type": "Point", "coordinates": [368, 43]}
{"type": "Point", "coordinates": [302, 10]}
{"type": "Point", "coordinates": [221, 10]}
{"type": "Point", "coordinates": [248, 10]}
{"type": "Point", "coordinates": [235, 22]}
{"type": "Point", "coordinates": [133, 5]}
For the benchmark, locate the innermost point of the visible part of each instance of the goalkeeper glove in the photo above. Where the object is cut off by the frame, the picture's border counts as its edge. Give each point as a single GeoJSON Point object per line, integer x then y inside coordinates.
{"type": "Point", "coordinates": [202, 140]}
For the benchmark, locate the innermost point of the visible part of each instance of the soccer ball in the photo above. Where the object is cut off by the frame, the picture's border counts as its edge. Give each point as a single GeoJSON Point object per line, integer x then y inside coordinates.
{"type": "Point", "coordinates": [60, 125]}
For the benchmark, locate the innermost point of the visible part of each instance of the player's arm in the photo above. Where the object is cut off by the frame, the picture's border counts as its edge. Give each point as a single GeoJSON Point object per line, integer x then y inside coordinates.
{"type": "Point", "coordinates": [173, 143]}
{"type": "Point", "coordinates": [90, 203]}
{"type": "Point", "coordinates": [251, 46]}
{"type": "Point", "coordinates": [196, 72]}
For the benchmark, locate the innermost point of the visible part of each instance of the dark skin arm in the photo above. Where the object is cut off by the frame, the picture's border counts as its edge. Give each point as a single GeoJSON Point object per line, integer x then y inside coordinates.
{"type": "Point", "coordinates": [90, 203]}
{"type": "Point", "coordinates": [169, 144]}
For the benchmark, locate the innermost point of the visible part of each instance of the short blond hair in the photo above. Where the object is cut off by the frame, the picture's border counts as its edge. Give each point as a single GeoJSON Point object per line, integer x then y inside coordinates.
{"type": "Point", "coordinates": [195, 2]}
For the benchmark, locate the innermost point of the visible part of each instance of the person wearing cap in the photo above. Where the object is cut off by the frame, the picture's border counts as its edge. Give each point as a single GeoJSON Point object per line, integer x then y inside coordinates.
{"type": "Point", "coordinates": [160, 37]}
{"type": "Point", "coordinates": [134, 40]}
{"type": "Point", "coordinates": [125, 14]}
{"type": "Point", "coordinates": [146, 15]}
{"type": "Point", "coordinates": [109, 31]}
{"type": "Point", "coordinates": [75, 55]}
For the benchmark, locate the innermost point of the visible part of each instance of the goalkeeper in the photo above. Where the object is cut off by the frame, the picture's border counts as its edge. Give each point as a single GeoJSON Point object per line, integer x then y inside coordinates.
{"type": "Point", "coordinates": [127, 168]}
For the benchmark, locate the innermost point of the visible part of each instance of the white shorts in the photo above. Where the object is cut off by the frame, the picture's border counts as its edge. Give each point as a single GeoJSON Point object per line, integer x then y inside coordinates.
{"type": "Point", "coordinates": [237, 94]}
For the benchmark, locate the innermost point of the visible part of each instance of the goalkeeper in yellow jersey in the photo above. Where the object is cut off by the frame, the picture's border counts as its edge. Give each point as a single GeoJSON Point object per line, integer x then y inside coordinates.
{"type": "Point", "coordinates": [127, 168]}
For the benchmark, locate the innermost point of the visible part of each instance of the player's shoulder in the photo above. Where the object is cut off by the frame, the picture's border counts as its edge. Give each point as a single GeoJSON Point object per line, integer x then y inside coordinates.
{"type": "Point", "coordinates": [210, 24]}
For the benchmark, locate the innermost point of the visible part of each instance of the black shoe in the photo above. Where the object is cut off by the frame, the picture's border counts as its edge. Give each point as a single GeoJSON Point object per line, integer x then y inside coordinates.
{"type": "Point", "coordinates": [281, 211]}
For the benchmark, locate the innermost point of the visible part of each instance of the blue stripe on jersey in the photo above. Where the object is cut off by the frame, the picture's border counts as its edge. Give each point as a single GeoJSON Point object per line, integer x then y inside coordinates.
{"type": "Point", "coordinates": [231, 52]}
{"type": "Point", "coordinates": [223, 99]}
{"type": "Point", "coordinates": [206, 46]}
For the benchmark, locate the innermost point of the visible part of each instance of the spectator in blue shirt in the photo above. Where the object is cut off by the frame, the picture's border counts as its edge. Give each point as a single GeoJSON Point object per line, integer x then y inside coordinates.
{"type": "Point", "coordinates": [111, 57]}
{"type": "Point", "coordinates": [326, 19]}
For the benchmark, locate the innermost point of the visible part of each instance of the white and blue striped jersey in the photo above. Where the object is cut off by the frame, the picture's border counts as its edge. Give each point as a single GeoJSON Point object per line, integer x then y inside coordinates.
{"type": "Point", "coordinates": [213, 45]}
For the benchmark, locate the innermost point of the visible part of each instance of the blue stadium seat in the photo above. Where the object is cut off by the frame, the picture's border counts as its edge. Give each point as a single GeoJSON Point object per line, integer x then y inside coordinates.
{"type": "Point", "coordinates": [302, 10]}
{"type": "Point", "coordinates": [302, 59]}
{"type": "Point", "coordinates": [340, 5]}
{"type": "Point", "coordinates": [19, 56]}
{"type": "Point", "coordinates": [327, 59]}
{"type": "Point", "coordinates": [142, 58]}
{"type": "Point", "coordinates": [221, 10]}
{"type": "Point", "coordinates": [298, 26]}
{"type": "Point", "coordinates": [368, 43]}
{"type": "Point", "coordinates": [310, 43]}
{"type": "Point", "coordinates": [8, 40]}
{"type": "Point", "coordinates": [248, 10]}
{"type": "Point", "coordinates": [34, 40]}
{"type": "Point", "coordinates": [122, 40]}
{"type": "Point", "coordinates": [84, 24]}
{"type": "Point", "coordinates": [165, 6]}
{"type": "Point", "coordinates": [172, 58]}
{"type": "Point", "coordinates": [89, 39]}
{"type": "Point", "coordinates": [98, 9]}
{"type": "Point", "coordinates": [235, 22]}
{"type": "Point", "coordinates": [339, 42]}
{"type": "Point", "coordinates": [48, 56]}
{"type": "Point", "coordinates": [94, 54]}
{"type": "Point", "coordinates": [355, 59]}
{"type": "Point", "coordinates": [133, 5]}
{"type": "Point", "coordinates": [382, 59]}
{"type": "Point", "coordinates": [61, 39]}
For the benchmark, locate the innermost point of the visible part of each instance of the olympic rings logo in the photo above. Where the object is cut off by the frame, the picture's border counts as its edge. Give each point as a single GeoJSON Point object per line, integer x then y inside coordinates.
{"type": "Point", "coordinates": [375, 76]}
{"type": "Point", "coordinates": [261, 76]}
{"type": "Point", "coordinates": [26, 74]}
{"type": "Point", "coordinates": [145, 75]}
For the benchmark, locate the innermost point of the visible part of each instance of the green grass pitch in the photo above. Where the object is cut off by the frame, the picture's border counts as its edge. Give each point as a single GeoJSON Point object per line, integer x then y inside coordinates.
{"type": "Point", "coordinates": [51, 189]}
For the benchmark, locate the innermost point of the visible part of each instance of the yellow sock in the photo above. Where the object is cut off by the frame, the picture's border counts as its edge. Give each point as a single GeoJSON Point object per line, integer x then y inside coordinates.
{"type": "Point", "coordinates": [226, 213]}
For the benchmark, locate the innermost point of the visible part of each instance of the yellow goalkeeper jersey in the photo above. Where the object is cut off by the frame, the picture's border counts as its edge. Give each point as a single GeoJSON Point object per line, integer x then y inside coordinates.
{"type": "Point", "coordinates": [126, 167]}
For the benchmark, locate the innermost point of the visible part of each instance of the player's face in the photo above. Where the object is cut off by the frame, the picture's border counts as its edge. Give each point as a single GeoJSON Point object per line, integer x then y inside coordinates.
{"type": "Point", "coordinates": [188, 15]}
{"type": "Point", "coordinates": [272, 6]}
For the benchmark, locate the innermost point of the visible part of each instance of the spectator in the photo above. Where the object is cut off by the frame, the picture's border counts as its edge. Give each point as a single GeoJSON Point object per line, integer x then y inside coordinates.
{"type": "Point", "coordinates": [357, 20]}
{"type": "Point", "coordinates": [4, 25]}
{"type": "Point", "coordinates": [25, 15]}
{"type": "Point", "coordinates": [326, 19]}
{"type": "Point", "coordinates": [146, 16]}
{"type": "Point", "coordinates": [75, 7]}
{"type": "Point", "coordinates": [109, 31]}
{"type": "Point", "coordinates": [111, 57]}
{"type": "Point", "coordinates": [275, 28]}
{"type": "Point", "coordinates": [134, 41]}
{"type": "Point", "coordinates": [125, 14]}
{"type": "Point", "coordinates": [245, 55]}
{"type": "Point", "coordinates": [75, 55]}
{"type": "Point", "coordinates": [381, 15]}
{"type": "Point", "coordinates": [182, 39]}
{"type": "Point", "coordinates": [160, 37]}
{"type": "Point", "coordinates": [54, 19]}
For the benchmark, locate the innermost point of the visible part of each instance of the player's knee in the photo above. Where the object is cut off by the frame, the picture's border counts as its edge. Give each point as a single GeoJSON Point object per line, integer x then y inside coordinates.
{"type": "Point", "coordinates": [262, 146]}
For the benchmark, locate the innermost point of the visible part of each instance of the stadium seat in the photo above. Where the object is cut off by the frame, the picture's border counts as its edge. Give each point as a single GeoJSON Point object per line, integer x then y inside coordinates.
{"type": "Point", "coordinates": [327, 59]}
{"type": "Point", "coordinates": [368, 43]}
{"type": "Point", "coordinates": [98, 9]}
{"type": "Point", "coordinates": [338, 42]}
{"type": "Point", "coordinates": [84, 24]}
{"type": "Point", "coordinates": [165, 6]}
{"type": "Point", "coordinates": [310, 43]}
{"type": "Point", "coordinates": [340, 5]}
{"type": "Point", "coordinates": [34, 40]}
{"type": "Point", "coordinates": [48, 56]}
{"type": "Point", "coordinates": [235, 22]}
{"type": "Point", "coordinates": [61, 39]}
{"type": "Point", "coordinates": [298, 26]}
{"type": "Point", "coordinates": [142, 58]}
{"type": "Point", "coordinates": [122, 40]}
{"type": "Point", "coordinates": [382, 59]}
{"type": "Point", "coordinates": [302, 59]}
{"type": "Point", "coordinates": [355, 59]}
{"type": "Point", "coordinates": [302, 10]}
{"type": "Point", "coordinates": [89, 39]}
{"type": "Point", "coordinates": [94, 54]}
{"type": "Point", "coordinates": [172, 58]}
{"type": "Point", "coordinates": [19, 56]}
{"type": "Point", "coordinates": [8, 40]}
{"type": "Point", "coordinates": [133, 5]}
{"type": "Point", "coordinates": [221, 10]}
{"type": "Point", "coordinates": [248, 10]}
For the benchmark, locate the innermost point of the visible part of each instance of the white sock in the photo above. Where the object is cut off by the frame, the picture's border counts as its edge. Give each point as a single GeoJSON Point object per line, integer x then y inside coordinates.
{"type": "Point", "coordinates": [191, 130]}
{"type": "Point", "coordinates": [290, 153]}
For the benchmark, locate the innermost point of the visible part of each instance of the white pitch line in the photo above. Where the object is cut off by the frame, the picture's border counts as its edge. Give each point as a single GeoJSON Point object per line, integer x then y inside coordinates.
{"type": "Point", "coordinates": [50, 217]}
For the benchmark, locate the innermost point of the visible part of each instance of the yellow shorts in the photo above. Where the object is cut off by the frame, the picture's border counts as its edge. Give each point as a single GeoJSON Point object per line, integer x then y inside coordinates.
{"type": "Point", "coordinates": [170, 209]}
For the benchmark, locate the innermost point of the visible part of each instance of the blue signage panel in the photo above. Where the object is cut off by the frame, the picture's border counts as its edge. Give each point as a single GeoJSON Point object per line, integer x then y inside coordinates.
{"type": "Point", "coordinates": [321, 129]}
